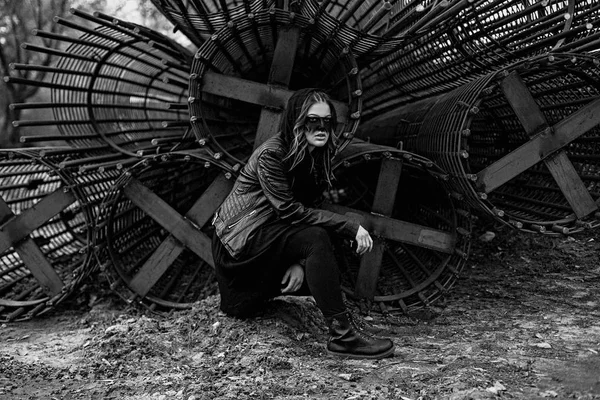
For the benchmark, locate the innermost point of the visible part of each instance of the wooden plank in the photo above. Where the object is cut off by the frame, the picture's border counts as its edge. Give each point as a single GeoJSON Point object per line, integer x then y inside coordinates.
{"type": "Point", "coordinates": [399, 231]}
{"type": "Point", "coordinates": [387, 186]}
{"type": "Point", "coordinates": [280, 74]}
{"type": "Point", "coordinates": [32, 257]}
{"type": "Point", "coordinates": [533, 120]}
{"type": "Point", "coordinates": [368, 272]}
{"type": "Point", "coordinates": [245, 90]}
{"type": "Point", "coordinates": [523, 104]}
{"type": "Point", "coordinates": [284, 56]}
{"type": "Point", "coordinates": [571, 185]}
{"type": "Point", "coordinates": [158, 263]}
{"type": "Point", "coordinates": [204, 208]}
{"type": "Point", "coordinates": [539, 147]}
{"type": "Point", "coordinates": [383, 203]}
{"type": "Point", "coordinates": [39, 266]}
{"type": "Point", "coordinates": [168, 251]}
{"type": "Point", "coordinates": [268, 126]}
{"type": "Point", "coordinates": [19, 226]}
{"type": "Point", "coordinates": [181, 228]}
{"type": "Point", "coordinates": [256, 93]}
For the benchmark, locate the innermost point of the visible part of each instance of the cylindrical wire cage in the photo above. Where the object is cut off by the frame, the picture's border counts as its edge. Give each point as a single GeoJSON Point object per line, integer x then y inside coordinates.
{"type": "Point", "coordinates": [245, 49]}
{"type": "Point", "coordinates": [131, 241]}
{"type": "Point", "coordinates": [413, 274]}
{"type": "Point", "coordinates": [470, 128]}
{"type": "Point", "coordinates": [47, 225]}
{"type": "Point", "coordinates": [115, 85]}
{"type": "Point", "coordinates": [468, 39]}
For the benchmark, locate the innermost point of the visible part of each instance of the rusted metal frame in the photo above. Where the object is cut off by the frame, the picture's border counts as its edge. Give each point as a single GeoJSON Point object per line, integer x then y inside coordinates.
{"type": "Point", "coordinates": [561, 168]}
{"type": "Point", "coordinates": [171, 248]}
{"type": "Point", "coordinates": [383, 204]}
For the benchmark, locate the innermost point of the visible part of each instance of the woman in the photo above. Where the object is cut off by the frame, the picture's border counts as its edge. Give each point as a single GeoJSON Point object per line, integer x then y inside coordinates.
{"type": "Point", "coordinates": [270, 242]}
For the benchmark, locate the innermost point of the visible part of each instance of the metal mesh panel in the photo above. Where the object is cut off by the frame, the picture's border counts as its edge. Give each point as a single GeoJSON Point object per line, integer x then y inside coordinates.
{"type": "Point", "coordinates": [412, 275]}
{"type": "Point", "coordinates": [470, 128]}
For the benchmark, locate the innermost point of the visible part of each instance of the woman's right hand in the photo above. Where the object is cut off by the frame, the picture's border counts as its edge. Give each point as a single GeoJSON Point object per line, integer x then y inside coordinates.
{"type": "Point", "coordinates": [364, 242]}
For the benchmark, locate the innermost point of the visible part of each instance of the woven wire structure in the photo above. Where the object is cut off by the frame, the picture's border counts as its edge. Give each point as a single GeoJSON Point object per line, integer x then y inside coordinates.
{"type": "Point", "coordinates": [465, 39]}
{"type": "Point", "coordinates": [49, 222]}
{"type": "Point", "coordinates": [126, 236]}
{"type": "Point", "coordinates": [245, 49]}
{"type": "Point", "coordinates": [198, 20]}
{"type": "Point", "coordinates": [412, 276]}
{"type": "Point", "coordinates": [471, 127]}
{"type": "Point", "coordinates": [114, 86]}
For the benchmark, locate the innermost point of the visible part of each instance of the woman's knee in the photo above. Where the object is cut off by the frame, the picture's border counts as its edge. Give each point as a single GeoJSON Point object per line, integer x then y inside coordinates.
{"type": "Point", "coordinates": [317, 235]}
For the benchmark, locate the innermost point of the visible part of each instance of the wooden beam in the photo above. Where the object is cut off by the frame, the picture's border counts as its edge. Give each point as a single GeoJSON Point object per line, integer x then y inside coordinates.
{"type": "Point", "coordinates": [280, 74]}
{"type": "Point", "coordinates": [533, 120]}
{"type": "Point", "coordinates": [399, 231]}
{"type": "Point", "coordinates": [538, 148]}
{"type": "Point", "coordinates": [32, 257]}
{"type": "Point", "coordinates": [256, 93]}
{"type": "Point", "coordinates": [39, 266]}
{"type": "Point", "coordinates": [168, 251]}
{"type": "Point", "coordinates": [387, 186]}
{"type": "Point", "coordinates": [245, 90]}
{"type": "Point", "coordinates": [284, 56]}
{"type": "Point", "coordinates": [181, 228]}
{"type": "Point", "coordinates": [20, 226]}
{"type": "Point", "coordinates": [383, 204]}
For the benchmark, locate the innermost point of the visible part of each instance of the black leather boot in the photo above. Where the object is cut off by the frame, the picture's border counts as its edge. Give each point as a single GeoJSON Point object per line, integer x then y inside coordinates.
{"type": "Point", "coordinates": [347, 340]}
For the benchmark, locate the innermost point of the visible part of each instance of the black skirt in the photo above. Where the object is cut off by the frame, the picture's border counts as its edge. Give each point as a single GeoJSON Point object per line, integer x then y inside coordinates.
{"type": "Point", "coordinates": [246, 283]}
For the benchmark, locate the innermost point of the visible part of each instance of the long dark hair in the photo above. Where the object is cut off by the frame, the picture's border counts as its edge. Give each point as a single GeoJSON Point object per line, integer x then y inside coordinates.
{"type": "Point", "coordinates": [293, 131]}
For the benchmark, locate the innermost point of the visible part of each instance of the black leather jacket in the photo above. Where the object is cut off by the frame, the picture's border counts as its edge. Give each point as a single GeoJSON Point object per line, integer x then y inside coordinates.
{"type": "Point", "coordinates": [262, 193]}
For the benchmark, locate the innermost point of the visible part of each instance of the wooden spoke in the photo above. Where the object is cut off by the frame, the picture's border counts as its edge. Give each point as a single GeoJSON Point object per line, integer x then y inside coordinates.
{"type": "Point", "coordinates": [15, 235]}
{"type": "Point", "coordinates": [180, 227]}
{"type": "Point", "coordinates": [400, 231]}
{"type": "Point", "coordinates": [559, 165]}
{"type": "Point", "coordinates": [168, 251]}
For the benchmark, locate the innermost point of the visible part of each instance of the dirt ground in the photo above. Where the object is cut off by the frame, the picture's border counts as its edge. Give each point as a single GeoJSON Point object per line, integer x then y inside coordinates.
{"type": "Point", "coordinates": [522, 322]}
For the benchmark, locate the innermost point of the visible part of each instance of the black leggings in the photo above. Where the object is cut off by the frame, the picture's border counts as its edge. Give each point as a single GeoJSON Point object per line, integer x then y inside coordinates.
{"type": "Point", "coordinates": [244, 291]}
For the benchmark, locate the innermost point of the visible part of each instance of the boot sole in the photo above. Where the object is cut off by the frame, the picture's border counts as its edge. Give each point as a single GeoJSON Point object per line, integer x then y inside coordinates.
{"type": "Point", "coordinates": [379, 356]}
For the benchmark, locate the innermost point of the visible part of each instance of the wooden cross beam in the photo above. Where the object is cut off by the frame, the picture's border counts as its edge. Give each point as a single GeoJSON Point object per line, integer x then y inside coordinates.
{"type": "Point", "coordinates": [15, 231]}
{"type": "Point", "coordinates": [383, 227]}
{"type": "Point", "coordinates": [383, 204]}
{"type": "Point", "coordinates": [272, 96]}
{"type": "Point", "coordinates": [184, 230]}
{"type": "Point", "coordinates": [248, 91]}
{"type": "Point", "coordinates": [544, 146]}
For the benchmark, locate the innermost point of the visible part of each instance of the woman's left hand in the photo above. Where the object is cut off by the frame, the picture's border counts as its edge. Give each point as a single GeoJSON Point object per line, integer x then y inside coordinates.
{"type": "Point", "coordinates": [294, 276]}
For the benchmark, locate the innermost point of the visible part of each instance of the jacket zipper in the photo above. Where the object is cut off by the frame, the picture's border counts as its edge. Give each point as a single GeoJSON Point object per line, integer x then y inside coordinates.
{"type": "Point", "coordinates": [241, 219]}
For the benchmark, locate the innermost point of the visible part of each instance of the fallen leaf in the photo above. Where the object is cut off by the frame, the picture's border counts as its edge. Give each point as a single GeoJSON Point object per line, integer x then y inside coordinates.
{"type": "Point", "coordinates": [542, 345]}
{"type": "Point", "coordinates": [549, 393]}
{"type": "Point", "coordinates": [346, 377]}
{"type": "Point", "coordinates": [498, 387]}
